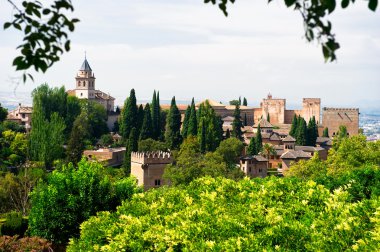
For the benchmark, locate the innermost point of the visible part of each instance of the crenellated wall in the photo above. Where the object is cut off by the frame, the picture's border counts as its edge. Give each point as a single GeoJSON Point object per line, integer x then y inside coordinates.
{"type": "Point", "coordinates": [334, 117]}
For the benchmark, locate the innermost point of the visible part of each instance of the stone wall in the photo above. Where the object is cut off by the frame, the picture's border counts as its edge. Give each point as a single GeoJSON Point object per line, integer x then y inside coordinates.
{"type": "Point", "coordinates": [311, 107]}
{"type": "Point", "coordinates": [275, 108]}
{"type": "Point", "coordinates": [334, 117]}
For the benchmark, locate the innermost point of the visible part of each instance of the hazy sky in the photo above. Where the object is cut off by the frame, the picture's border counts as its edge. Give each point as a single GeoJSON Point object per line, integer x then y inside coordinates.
{"type": "Point", "coordinates": [186, 48]}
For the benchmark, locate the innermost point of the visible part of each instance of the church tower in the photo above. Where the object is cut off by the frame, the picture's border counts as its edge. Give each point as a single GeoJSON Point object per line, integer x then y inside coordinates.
{"type": "Point", "coordinates": [85, 82]}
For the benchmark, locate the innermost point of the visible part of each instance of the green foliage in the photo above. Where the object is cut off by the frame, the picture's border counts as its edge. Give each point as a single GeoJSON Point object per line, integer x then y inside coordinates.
{"type": "Point", "coordinates": [326, 132]}
{"type": "Point", "coordinates": [245, 103]}
{"type": "Point", "coordinates": [234, 102]}
{"type": "Point", "coordinates": [156, 116]}
{"type": "Point", "coordinates": [132, 145]}
{"type": "Point", "coordinates": [193, 123]}
{"type": "Point", "coordinates": [128, 117]}
{"type": "Point", "coordinates": [9, 125]}
{"type": "Point", "coordinates": [268, 117]}
{"type": "Point", "coordinates": [312, 132]}
{"type": "Point", "coordinates": [308, 169]}
{"type": "Point", "coordinates": [71, 196]}
{"type": "Point", "coordinates": [191, 164]}
{"type": "Point", "coordinates": [259, 140]}
{"type": "Point", "coordinates": [237, 124]}
{"type": "Point", "coordinates": [210, 131]}
{"type": "Point", "coordinates": [251, 150]}
{"type": "Point", "coordinates": [147, 126]}
{"type": "Point", "coordinates": [245, 120]}
{"type": "Point", "coordinates": [16, 244]}
{"type": "Point", "coordinates": [106, 140]}
{"type": "Point", "coordinates": [73, 110]}
{"type": "Point", "coordinates": [151, 145]}
{"type": "Point", "coordinates": [301, 132]}
{"type": "Point", "coordinates": [13, 148]}
{"type": "Point", "coordinates": [3, 113]}
{"type": "Point", "coordinates": [173, 125]}
{"type": "Point", "coordinates": [15, 188]}
{"type": "Point", "coordinates": [223, 215]}
{"type": "Point", "coordinates": [14, 224]}
{"type": "Point", "coordinates": [45, 30]}
{"type": "Point", "coordinates": [228, 133]}
{"type": "Point", "coordinates": [97, 118]}
{"type": "Point", "coordinates": [185, 124]}
{"type": "Point", "coordinates": [77, 141]}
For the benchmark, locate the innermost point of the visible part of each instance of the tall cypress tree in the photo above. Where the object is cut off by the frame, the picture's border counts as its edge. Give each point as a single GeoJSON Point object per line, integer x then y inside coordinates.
{"type": "Point", "coordinates": [129, 114]}
{"type": "Point", "coordinates": [147, 128]}
{"type": "Point", "coordinates": [192, 128]}
{"type": "Point", "coordinates": [228, 133]}
{"type": "Point", "coordinates": [185, 124]}
{"type": "Point", "coordinates": [294, 127]}
{"type": "Point", "coordinates": [251, 150]}
{"type": "Point", "coordinates": [245, 103]}
{"type": "Point", "coordinates": [259, 140]}
{"type": "Point", "coordinates": [239, 100]}
{"type": "Point", "coordinates": [326, 132]}
{"type": "Point", "coordinates": [158, 111]}
{"type": "Point", "coordinates": [203, 136]}
{"type": "Point", "coordinates": [268, 117]}
{"type": "Point", "coordinates": [131, 146]}
{"type": "Point", "coordinates": [140, 118]}
{"type": "Point", "coordinates": [301, 134]}
{"type": "Point", "coordinates": [237, 124]}
{"type": "Point", "coordinates": [154, 115]}
{"type": "Point", "coordinates": [245, 120]}
{"type": "Point", "coordinates": [173, 126]}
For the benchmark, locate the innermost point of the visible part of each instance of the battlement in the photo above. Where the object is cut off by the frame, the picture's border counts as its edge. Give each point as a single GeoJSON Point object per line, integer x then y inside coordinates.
{"type": "Point", "coordinates": [341, 109]}
{"type": "Point", "coordinates": [156, 157]}
{"type": "Point", "coordinates": [317, 100]}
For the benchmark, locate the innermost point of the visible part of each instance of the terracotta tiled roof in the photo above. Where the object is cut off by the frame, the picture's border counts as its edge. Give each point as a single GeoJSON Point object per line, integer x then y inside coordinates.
{"type": "Point", "coordinates": [26, 110]}
{"type": "Point", "coordinates": [232, 107]}
{"type": "Point", "coordinates": [274, 137]}
{"type": "Point", "coordinates": [71, 92]}
{"type": "Point", "coordinates": [101, 95]}
{"type": "Point", "coordinates": [325, 141]}
{"type": "Point", "coordinates": [258, 158]}
{"type": "Point", "coordinates": [292, 154]}
{"type": "Point", "coordinates": [181, 107]}
{"type": "Point", "coordinates": [289, 138]}
{"type": "Point", "coordinates": [213, 103]}
{"type": "Point", "coordinates": [263, 124]}
{"type": "Point", "coordinates": [307, 148]}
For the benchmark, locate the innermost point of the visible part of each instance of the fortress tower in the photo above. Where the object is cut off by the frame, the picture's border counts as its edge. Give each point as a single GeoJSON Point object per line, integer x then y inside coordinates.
{"type": "Point", "coordinates": [148, 167]}
{"type": "Point", "coordinates": [311, 107]}
{"type": "Point", "coordinates": [334, 117]}
{"type": "Point", "coordinates": [275, 108]}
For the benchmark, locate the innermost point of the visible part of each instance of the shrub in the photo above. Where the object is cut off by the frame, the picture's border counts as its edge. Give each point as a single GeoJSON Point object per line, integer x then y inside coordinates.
{"type": "Point", "coordinates": [14, 244]}
{"type": "Point", "coordinates": [14, 224]}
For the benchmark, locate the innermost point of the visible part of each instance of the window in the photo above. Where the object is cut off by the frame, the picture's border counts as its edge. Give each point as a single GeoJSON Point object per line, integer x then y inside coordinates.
{"type": "Point", "coordinates": [260, 170]}
{"type": "Point", "coordinates": [157, 182]}
{"type": "Point", "coordinates": [250, 169]}
{"type": "Point", "coordinates": [23, 115]}
{"type": "Point", "coordinates": [81, 94]}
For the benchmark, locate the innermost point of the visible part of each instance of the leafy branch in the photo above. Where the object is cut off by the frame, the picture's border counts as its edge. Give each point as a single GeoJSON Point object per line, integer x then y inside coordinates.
{"type": "Point", "coordinates": [314, 14]}
{"type": "Point", "coordinates": [45, 33]}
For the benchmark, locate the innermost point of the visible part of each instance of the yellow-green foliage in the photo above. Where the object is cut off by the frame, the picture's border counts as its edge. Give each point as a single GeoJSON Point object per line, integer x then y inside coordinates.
{"type": "Point", "coordinates": [218, 214]}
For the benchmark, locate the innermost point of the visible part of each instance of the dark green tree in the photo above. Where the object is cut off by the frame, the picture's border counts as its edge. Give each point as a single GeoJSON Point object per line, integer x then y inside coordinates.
{"type": "Point", "coordinates": [251, 150]}
{"type": "Point", "coordinates": [147, 126]}
{"type": "Point", "coordinates": [72, 112]}
{"type": "Point", "coordinates": [228, 133]}
{"type": "Point", "coordinates": [3, 113]}
{"type": "Point", "coordinates": [212, 124]}
{"type": "Point", "coordinates": [185, 124]}
{"type": "Point", "coordinates": [192, 128]}
{"type": "Point", "coordinates": [326, 132]}
{"type": "Point", "coordinates": [151, 145]}
{"type": "Point", "coordinates": [237, 124]}
{"type": "Point", "coordinates": [173, 126]}
{"type": "Point", "coordinates": [129, 116]}
{"type": "Point", "coordinates": [140, 118]}
{"type": "Point", "coordinates": [159, 119]}
{"type": "Point", "coordinates": [132, 145]}
{"type": "Point", "coordinates": [97, 118]}
{"type": "Point", "coordinates": [245, 103]}
{"type": "Point", "coordinates": [259, 140]}
{"type": "Point", "coordinates": [312, 132]}
{"type": "Point", "coordinates": [202, 141]}
{"type": "Point", "coordinates": [245, 120]}
{"type": "Point", "coordinates": [268, 117]}
{"type": "Point", "coordinates": [301, 133]}
{"type": "Point", "coordinates": [78, 136]}
{"type": "Point", "coordinates": [294, 126]}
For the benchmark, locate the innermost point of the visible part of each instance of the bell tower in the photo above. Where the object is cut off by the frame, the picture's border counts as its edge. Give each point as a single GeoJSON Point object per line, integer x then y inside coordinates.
{"type": "Point", "coordinates": [85, 82]}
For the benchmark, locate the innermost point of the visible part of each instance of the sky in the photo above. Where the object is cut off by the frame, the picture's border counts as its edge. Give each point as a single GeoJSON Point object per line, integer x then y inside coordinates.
{"type": "Point", "coordinates": [187, 49]}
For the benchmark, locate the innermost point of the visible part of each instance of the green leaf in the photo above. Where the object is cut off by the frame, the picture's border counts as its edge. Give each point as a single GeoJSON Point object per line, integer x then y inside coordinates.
{"type": "Point", "coordinates": [67, 45]}
{"type": "Point", "coordinates": [372, 5]}
{"type": "Point", "coordinates": [46, 11]}
{"type": "Point", "coordinates": [345, 3]}
{"type": "Point", "coordinates": [6, 25]}
{"type": "Point", "coordinates": [17, 26]}
{"type": "Point", "coordinates": [289, 2]}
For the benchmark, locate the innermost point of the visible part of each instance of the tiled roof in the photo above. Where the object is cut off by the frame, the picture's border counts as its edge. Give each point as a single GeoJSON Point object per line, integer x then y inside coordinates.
{"type": "Point", "coordinates": [228, 118]}
{"type": "Point", "coordinates": [181, 107]}
{"type": "Point", "coordinates": [307, 148]}
{"type": "Point", "coordinates": [213, 103]}
{"type": "Point", "coordinates": [324, 141]}
{"type": "Point", "coordinates": [274, 137]}
{"type": "Point", "coordinates": [263, 124]}
{"type": "Point", "coordinates": [258, 158]}
{"type": "Point", "coordinates": [289, 138]}
{"type": "Point", "coordinates": [85, 66]}
{"type": "Point", "coordinates": [293, 154]}
{"type": "Point", "coordinates": [101, 95]}
{"type": "Point", "coordinates": [232, 107]}
{"type": "Point", "coordinates": [26, 110]}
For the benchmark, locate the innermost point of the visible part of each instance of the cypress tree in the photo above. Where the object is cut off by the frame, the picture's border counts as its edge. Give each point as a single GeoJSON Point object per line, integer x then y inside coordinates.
{"type": "Point", "coordinates": [131, 146]}
{"type": "Point", "coordinates": [259, 140]}
{"type": "Point", "coordinates": [228, 134]}
{"type": "Point", "coordinates": [301, 134]}
{"type": "Point", "coordinates": [294, 127]}
{"type": "Point", "coordinates": [76, 144]}
{"type": "Point", "coordinates": [158, 111]}
{"type": "Point", "coordinates": [173, 126]}
{"type": "Point", "coordinates": [140, 118]}
{"type": "Point", "coordinates": [192, 128]}
{"type": "Point", "coordinates": [129, 114]}
{"type": "Point", "coordinates": [245, 120]}
{"type": "Point", "coordinates": [326, 132]}
{"type": "Point", "coordinates": [147, 128]}
{"type": "Point", "coordinates": [203, 136]}
{"type": "Point", "coordinates": [252, 147]}
{"type": "Point", "coordinates": [239, 100]}
{"type": "Point", "coordinates": [245, 103]}
{"type": "Point", "coordinates": [154, 115]}
{"type": "Point", "coordinates": [268, 117]}
{"type": "Point", "coordinates": [185, 124]}
{"type": "Point", "coordinates": [237, 124]}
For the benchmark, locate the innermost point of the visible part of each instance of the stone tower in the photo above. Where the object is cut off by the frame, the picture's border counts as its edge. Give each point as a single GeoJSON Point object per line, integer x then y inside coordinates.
{"type": "Point", "coordinates": [275, 108]}
{"type": "Point", "coordinates": [85, 82]}
{"type": "Point", "coordinates": [311, 107]}
{"type": "Point", "coordinates": [334, 117]}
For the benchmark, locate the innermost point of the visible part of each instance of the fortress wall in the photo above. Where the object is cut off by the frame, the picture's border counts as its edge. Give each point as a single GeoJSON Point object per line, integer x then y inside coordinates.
{"type": "Point", "coordinates": [311, 107]}
{"type": "Point", "coordinates": [276, 110]}
{"type": "Point", "coordinates": [334, 117]}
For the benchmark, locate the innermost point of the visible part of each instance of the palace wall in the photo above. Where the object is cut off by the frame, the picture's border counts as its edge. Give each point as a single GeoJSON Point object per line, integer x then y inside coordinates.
{"type": "Point", "coordinates": [334, 117]}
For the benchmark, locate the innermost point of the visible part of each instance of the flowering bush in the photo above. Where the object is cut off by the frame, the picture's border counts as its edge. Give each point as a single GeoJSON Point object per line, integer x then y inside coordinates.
{"type": "Point", "coordinates": [224, 215]}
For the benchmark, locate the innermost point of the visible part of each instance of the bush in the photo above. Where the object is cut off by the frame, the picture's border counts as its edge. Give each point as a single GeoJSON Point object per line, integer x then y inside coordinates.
{"type": "Point", "coordinates": [71, 196]}
{"type": "Point", "coordinates": [271, 214]}
{"type": "Point", "coordinates": [14, 224]}
{"type": "Point", "coordinates": [14, 244]}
